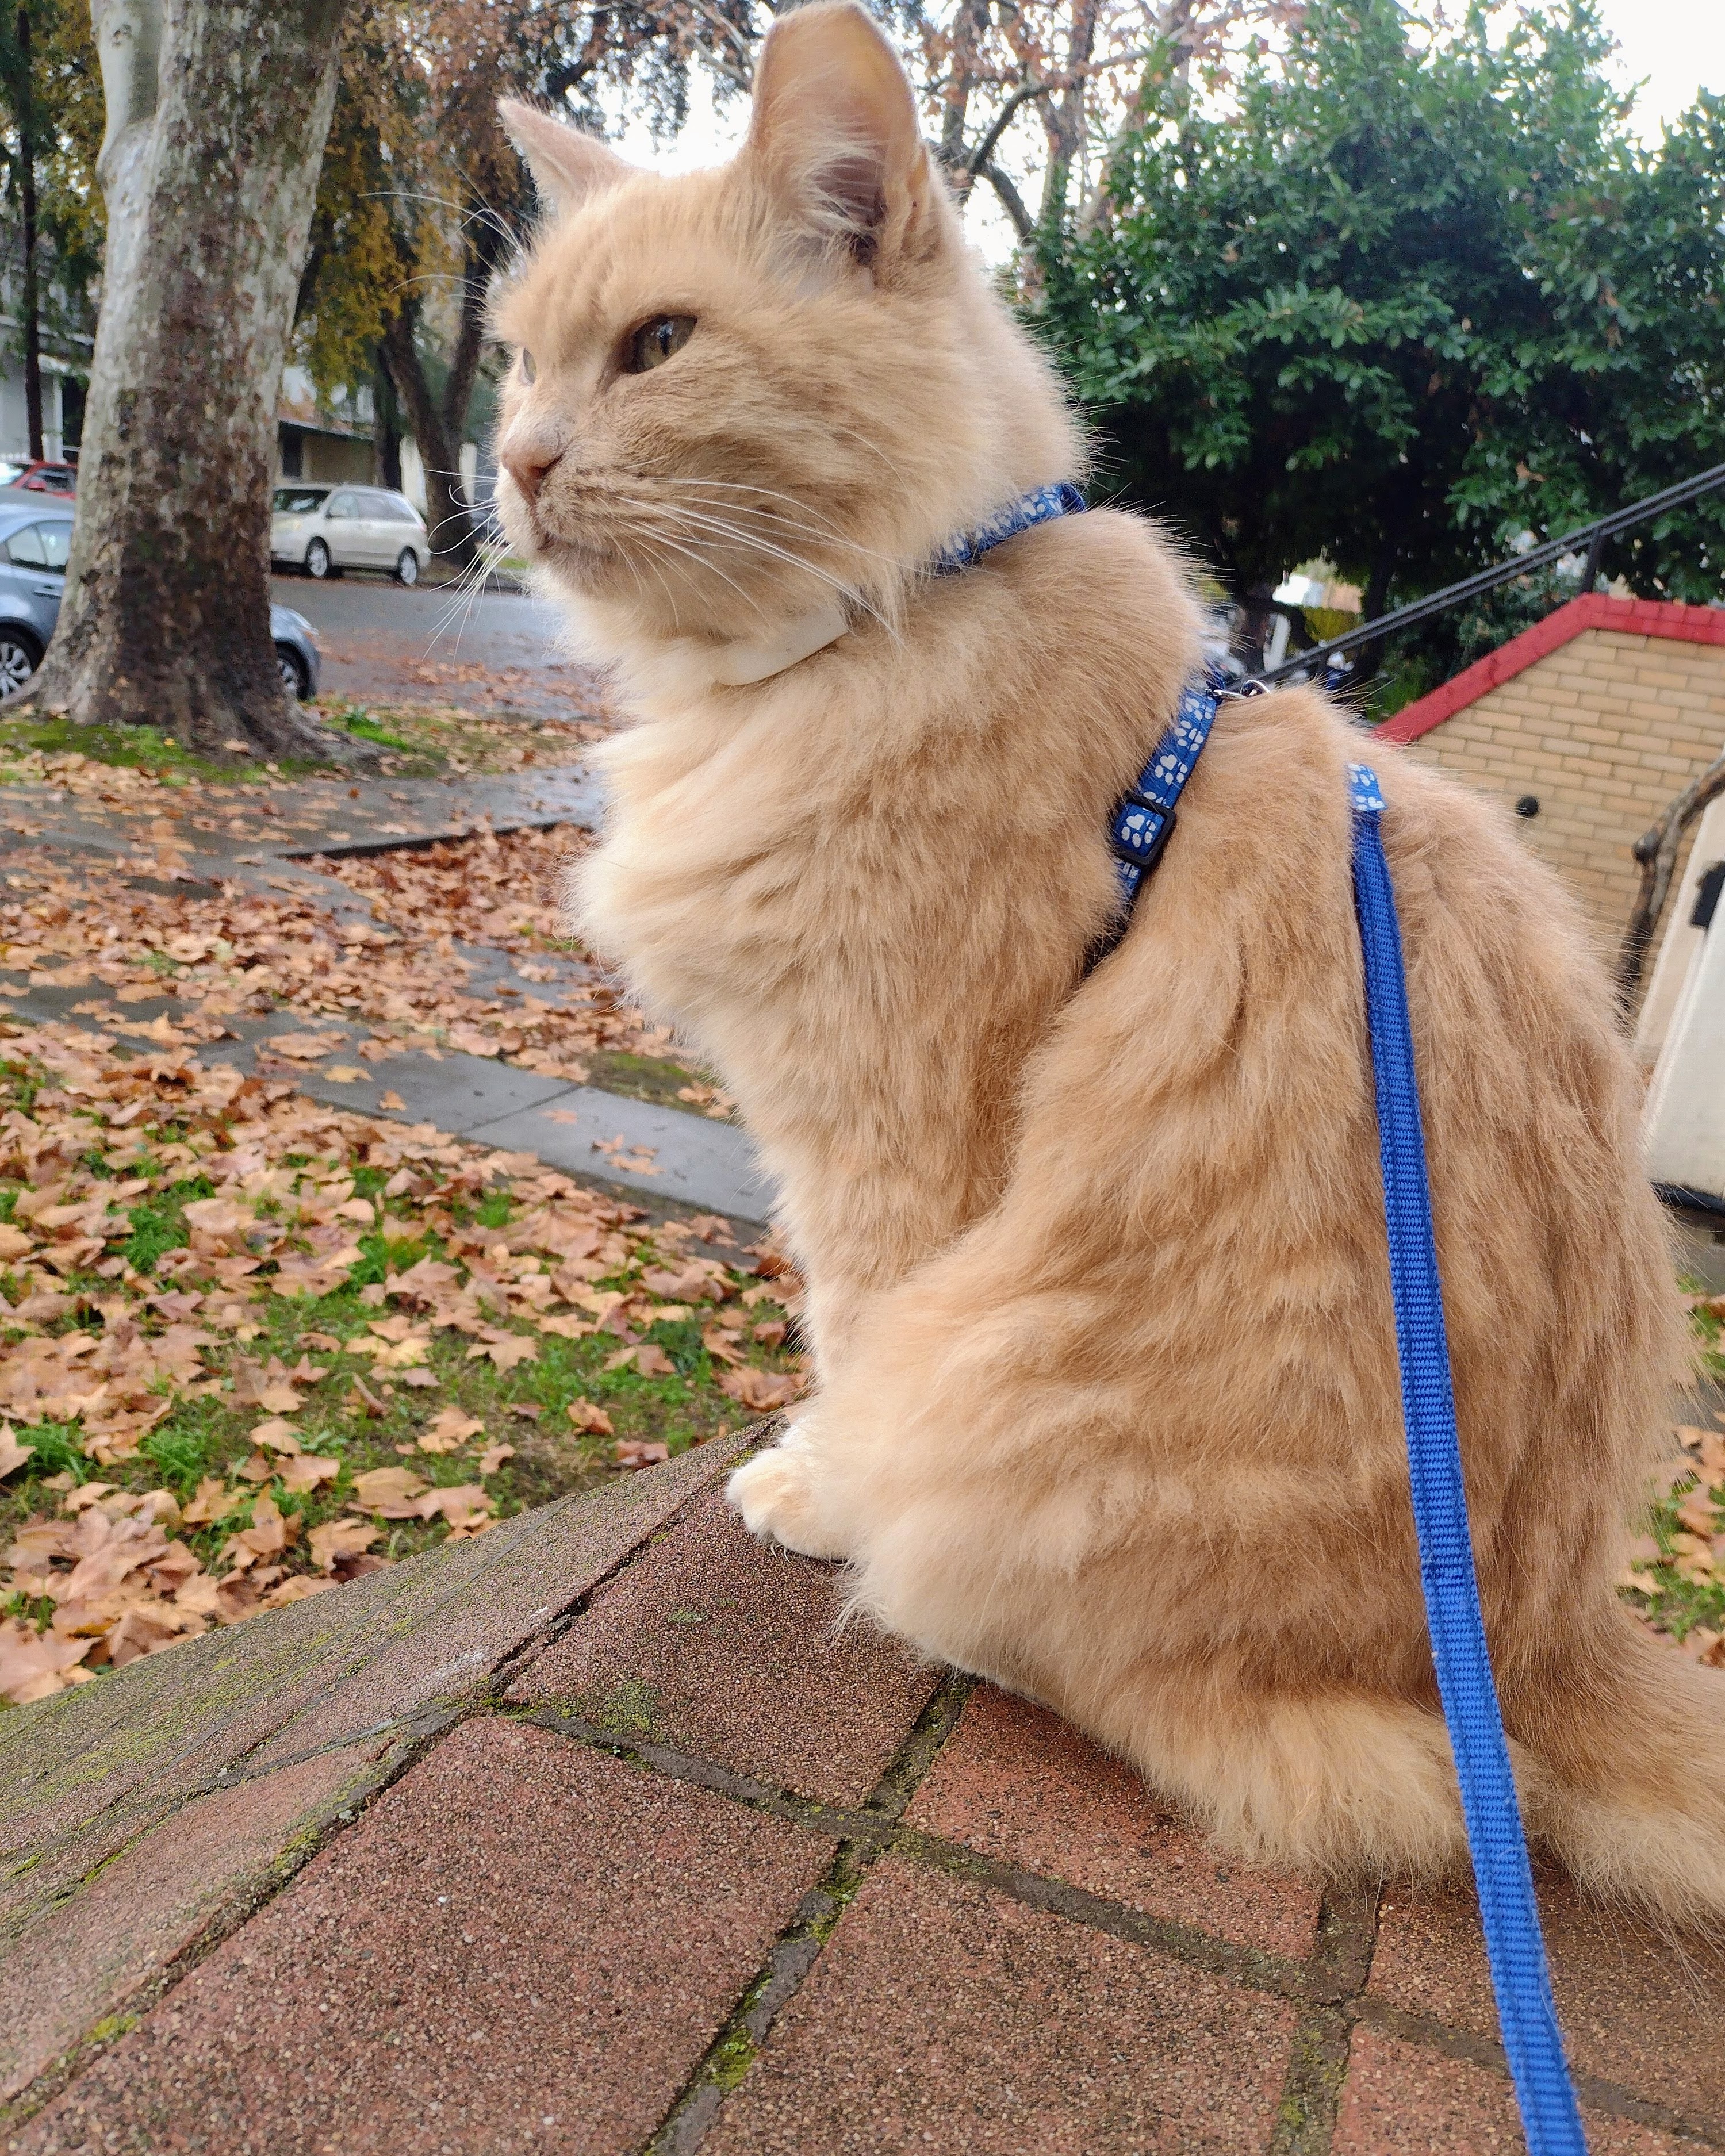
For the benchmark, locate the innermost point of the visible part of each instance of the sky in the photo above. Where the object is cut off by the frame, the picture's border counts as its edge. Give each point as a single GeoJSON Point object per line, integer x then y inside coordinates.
{"type": "Point", "coordinates": [1672, 48]}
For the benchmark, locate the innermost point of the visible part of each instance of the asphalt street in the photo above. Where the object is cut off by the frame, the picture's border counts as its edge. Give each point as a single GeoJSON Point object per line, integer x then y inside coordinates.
{"type": "Point", "coordinates": [495, 652]}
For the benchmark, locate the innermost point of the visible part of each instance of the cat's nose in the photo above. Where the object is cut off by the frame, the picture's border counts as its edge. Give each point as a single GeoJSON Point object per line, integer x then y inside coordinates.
{"type": "Point", "coordinates": [527, 465]}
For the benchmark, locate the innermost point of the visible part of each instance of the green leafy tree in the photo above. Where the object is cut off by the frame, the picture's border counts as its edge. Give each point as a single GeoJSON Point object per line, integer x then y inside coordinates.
{"type": "Point", "coordinates": [51, 121]}
{"type": "Point", "coordinates": [1407, 296]}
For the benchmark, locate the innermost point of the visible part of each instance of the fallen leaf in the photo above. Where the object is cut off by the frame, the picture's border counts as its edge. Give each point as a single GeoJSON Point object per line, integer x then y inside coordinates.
{"type": "Point", "coordinates": [13, 1241]}
{"type": "Point", "coordinates": [13, 1454]}
{"type": "Point", "coordinates": [493, 1457]}
{"type": "Point", "coordinates": [338, 1539]}
{"type": "Point", "coordinates": [278, 1436]}
{"type": "Point", "coordinates": [590, 1419]}
{"type": "Point", "coordinates": [506, 1350]}
{"type": "Point", "coordinates": [307, 1470]}
{"type": "Point", "coordinates": [392, 1100]}
{"type": "Point", "coordinates": [450, 1429]}
{"type": "Point", "coordinates": [759, 1389]}
{"type": "Point", "coordinates": [384, 1487]}
{"type": "Point", "coordinates": [634, 1452]}
{"type": "Point", "coordinates": [344, 1074]}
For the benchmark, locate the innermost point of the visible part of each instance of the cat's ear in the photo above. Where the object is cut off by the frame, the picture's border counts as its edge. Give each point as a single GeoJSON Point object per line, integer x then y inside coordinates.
{"type": "Point", "coordinates": [567, 166]}
{"type": "Point", "coordinates": [836, 131]}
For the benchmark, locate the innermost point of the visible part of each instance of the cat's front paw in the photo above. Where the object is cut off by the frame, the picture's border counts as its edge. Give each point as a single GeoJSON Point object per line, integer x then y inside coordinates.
{"type": "Point", "coordinates": [775, 1494]}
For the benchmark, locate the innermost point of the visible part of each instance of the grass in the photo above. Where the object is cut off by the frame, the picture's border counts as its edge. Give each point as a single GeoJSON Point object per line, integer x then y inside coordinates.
{"type": "Point", "coordinates": [496, 1218]}
{"type": "Point", "coordinates": [1680, 1589]}
{"type": "Point", "coordinates": [525, 1407]}
{"type": "Point", "coordinates": [413, 741]}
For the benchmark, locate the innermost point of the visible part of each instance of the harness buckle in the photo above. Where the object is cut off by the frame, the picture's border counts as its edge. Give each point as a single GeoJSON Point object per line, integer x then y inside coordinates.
{"type": "Point", "coordinates": [1146, 858]}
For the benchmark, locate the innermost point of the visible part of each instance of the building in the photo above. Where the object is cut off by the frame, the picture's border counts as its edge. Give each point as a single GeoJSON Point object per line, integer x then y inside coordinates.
{"type": "Point", "coordinates": [65, 372]}
{"type": "Point", "coordinates": [1587, 724]}
{"type": "Point", "coordinates": [318, 441]}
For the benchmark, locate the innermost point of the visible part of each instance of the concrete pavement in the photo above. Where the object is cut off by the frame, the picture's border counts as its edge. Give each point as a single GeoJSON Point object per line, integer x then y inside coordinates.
{"type": "Point", "coordinates": [600, 1835]}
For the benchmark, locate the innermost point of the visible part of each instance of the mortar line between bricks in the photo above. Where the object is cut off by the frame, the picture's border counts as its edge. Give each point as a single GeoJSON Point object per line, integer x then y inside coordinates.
{"type": "Point", "coordinates": [287, 1866]}
{"type": "Point", "coordinates": [1329, 1984]}
{"type": "Point", "coordinates": [726, 2062]}
{"type": "Point", "coordinates": [1337, 1970]}
{"type": "Point", "coordinates": [880, 1829]}
{"type": "Point", "coordinates": [1609, 2097]}
{"type": "Point", "coordinates": [427, 1723]}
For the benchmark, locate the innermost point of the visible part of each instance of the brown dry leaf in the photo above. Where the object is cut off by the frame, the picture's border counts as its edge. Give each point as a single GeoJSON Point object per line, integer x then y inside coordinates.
{"type": "Point", "coordinates": [590, 1419]}
{"type": "Point", "coordinates": [760, 1390]}
{"type": "Point", "coordinates": [771, 1334]}
{"type": "Point", "coordinates": [1697, 1512]}
{"type": "Point", "coordinates": [462, 1504]}
{"type": "Point", "coordinates": [34, 1664]}
{"type": "Point", "coordinates": [493, 1457]}
{"type": "Point", "coordinates": [721, 1342]}
{"type": "Point", "coordinates": [13, 1241]}
{"type": "Point", "coordinates": [209, 1504]}
{"type": "Point", "coordinates": [450, 1429]}
{"type": "Point", "coordinates": [307, 1470]}
{"type": "Point", "coordinates": [338, 1539]}
{"type": "Point", "coordinates": [392, 1100]}
{"type": "Point", "coordinates": [634, 1452]}
{"type": "Point", "coordinates": [505, 1349]}
{"type": "Point", "coordinates": [304, 1047]}
{"type": "Point", "coordinates": [382, 1488]}
{"type": "Point", "coordinates": [13, 1454]}
{"type": "Point", "coordinates": [278, 1436]}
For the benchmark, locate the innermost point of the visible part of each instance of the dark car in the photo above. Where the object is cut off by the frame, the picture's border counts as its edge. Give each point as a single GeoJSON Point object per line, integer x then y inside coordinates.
{"type": "Point", "coordinates": [35, 539]}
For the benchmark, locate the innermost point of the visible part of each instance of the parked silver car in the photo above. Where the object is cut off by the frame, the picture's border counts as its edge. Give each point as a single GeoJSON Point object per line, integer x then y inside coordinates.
{"type": "Point", "coordinates": [324, 530]}
{"type": "Point", "coordinates": [35, 541]}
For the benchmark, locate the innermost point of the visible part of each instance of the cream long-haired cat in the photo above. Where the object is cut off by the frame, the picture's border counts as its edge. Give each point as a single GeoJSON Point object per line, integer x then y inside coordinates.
{"type": "Point", "coordinates": [1107, 1403]}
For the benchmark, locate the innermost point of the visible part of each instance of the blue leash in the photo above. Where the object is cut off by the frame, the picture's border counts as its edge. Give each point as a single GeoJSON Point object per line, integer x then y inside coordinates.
{"type": "Point", "coordinates": [1508, 1912]}
{"type": "Point", "coordinates": [1139, 830]}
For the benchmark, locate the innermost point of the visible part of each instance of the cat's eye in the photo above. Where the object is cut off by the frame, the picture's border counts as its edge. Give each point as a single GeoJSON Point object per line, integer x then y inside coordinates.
{"type": "Point", "coordinates": [528, 369]}
{"type": "Point", "coordinates": [656, 341]}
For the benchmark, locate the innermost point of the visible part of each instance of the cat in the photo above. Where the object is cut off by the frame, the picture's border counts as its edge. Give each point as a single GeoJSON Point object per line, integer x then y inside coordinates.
{"type": "Point", "coordinates": [1107, 1405]}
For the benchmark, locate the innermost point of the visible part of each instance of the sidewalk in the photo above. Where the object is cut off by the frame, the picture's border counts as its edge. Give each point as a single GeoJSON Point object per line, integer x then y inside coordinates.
{"type": "Point", "coordinates": [594, 1834]}
{"type": "Point", "coordinates": [690, 1159]}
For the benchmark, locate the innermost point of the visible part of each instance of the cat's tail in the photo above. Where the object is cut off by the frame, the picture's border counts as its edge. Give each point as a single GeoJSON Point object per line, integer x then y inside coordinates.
{"type": "Point", "coordinates": [1630, 1738]}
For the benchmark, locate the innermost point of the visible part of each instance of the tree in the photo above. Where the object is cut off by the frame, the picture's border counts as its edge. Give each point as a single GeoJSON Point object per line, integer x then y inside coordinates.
{"type": "Point", "coordinates": [1406, 296]}
{"type": "Point", "coordinates": [421, 198]}
{"type": "Point", "coordinates": [49, 94]}
{"type": "Point", "coordinates": [216, 112]}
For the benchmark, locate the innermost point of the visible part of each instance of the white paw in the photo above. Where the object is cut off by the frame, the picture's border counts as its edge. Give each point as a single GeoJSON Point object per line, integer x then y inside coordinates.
{"type": "Point", "coordinates": [774, 1492]}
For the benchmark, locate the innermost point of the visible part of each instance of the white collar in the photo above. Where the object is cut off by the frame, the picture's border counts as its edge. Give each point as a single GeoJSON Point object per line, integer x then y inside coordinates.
{"type": "Point", "coordinates": [739, 664]}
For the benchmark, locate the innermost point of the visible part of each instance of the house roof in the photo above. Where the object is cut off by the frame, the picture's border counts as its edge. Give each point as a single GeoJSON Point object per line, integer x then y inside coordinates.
{"type": "Point", "coordinates": [1680, 624]}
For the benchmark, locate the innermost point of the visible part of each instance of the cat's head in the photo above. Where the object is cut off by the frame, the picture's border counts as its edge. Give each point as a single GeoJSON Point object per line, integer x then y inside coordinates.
{"type": "Point", "coordinates": [738, 394]}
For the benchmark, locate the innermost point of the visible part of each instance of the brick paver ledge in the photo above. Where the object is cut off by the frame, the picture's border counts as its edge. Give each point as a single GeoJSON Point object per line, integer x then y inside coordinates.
{"type": "Point", "coordinates": [598, 1834]}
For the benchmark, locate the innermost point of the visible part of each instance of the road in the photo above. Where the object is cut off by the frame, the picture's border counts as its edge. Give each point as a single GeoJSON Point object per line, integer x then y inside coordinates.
{"type": "Point", "coordinates": [496, 653]}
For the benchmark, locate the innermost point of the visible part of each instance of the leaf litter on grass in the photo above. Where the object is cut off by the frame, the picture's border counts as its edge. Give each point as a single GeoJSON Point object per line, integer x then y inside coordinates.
{"type": "Point", "coordinates": [251, 1347]}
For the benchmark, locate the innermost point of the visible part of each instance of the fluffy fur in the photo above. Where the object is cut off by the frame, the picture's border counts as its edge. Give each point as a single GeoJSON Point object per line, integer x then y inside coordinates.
{"type": "Point", "coordinates": [1108, 1405]}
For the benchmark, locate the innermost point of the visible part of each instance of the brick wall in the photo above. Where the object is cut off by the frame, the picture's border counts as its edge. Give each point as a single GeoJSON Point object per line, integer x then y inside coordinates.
{"type": "Point", "coordinates": [1603, 711]}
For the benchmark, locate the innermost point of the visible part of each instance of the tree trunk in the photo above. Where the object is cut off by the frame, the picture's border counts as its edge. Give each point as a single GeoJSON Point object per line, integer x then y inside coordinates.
{"type": "Point", "coordinates": [439, 424]}
{"type": "Point", "coordinates": [32, 272]}
{"type": "Point", "coordinates": [216, 112]}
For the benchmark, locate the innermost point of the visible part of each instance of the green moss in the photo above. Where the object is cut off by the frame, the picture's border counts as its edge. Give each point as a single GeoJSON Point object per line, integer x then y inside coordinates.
{"type": "Point", "coordinates": [642, 1077]}
{"type": "Point", "coordinates": [115, 2024]}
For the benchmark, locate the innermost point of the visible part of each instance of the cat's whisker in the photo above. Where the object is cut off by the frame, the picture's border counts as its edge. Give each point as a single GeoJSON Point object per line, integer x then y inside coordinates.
{"type": "Point", "coordinates": [701, 561]}
{"type": "Point", "coordinates": [745, 539]}
{"type": "Point", "coordinates": [828, 532]}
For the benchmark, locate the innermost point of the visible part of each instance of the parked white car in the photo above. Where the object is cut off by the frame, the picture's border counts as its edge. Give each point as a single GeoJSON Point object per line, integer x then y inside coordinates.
{"type": "Point", "coordinates": [324, 530]}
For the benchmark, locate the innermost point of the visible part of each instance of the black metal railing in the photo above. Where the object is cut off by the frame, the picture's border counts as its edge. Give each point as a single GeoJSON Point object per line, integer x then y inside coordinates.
{"type": "Point", "coordinates": [1590, 538]}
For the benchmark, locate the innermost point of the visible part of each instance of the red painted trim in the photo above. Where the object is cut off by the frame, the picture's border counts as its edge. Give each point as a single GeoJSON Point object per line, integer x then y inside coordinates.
{"type": "Point", "coordinates": [1677, 624]}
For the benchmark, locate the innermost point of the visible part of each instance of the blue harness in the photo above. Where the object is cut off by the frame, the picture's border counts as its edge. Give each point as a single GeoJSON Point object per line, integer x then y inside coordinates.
{"type": "Point", "coordinates": [1140, 829]}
